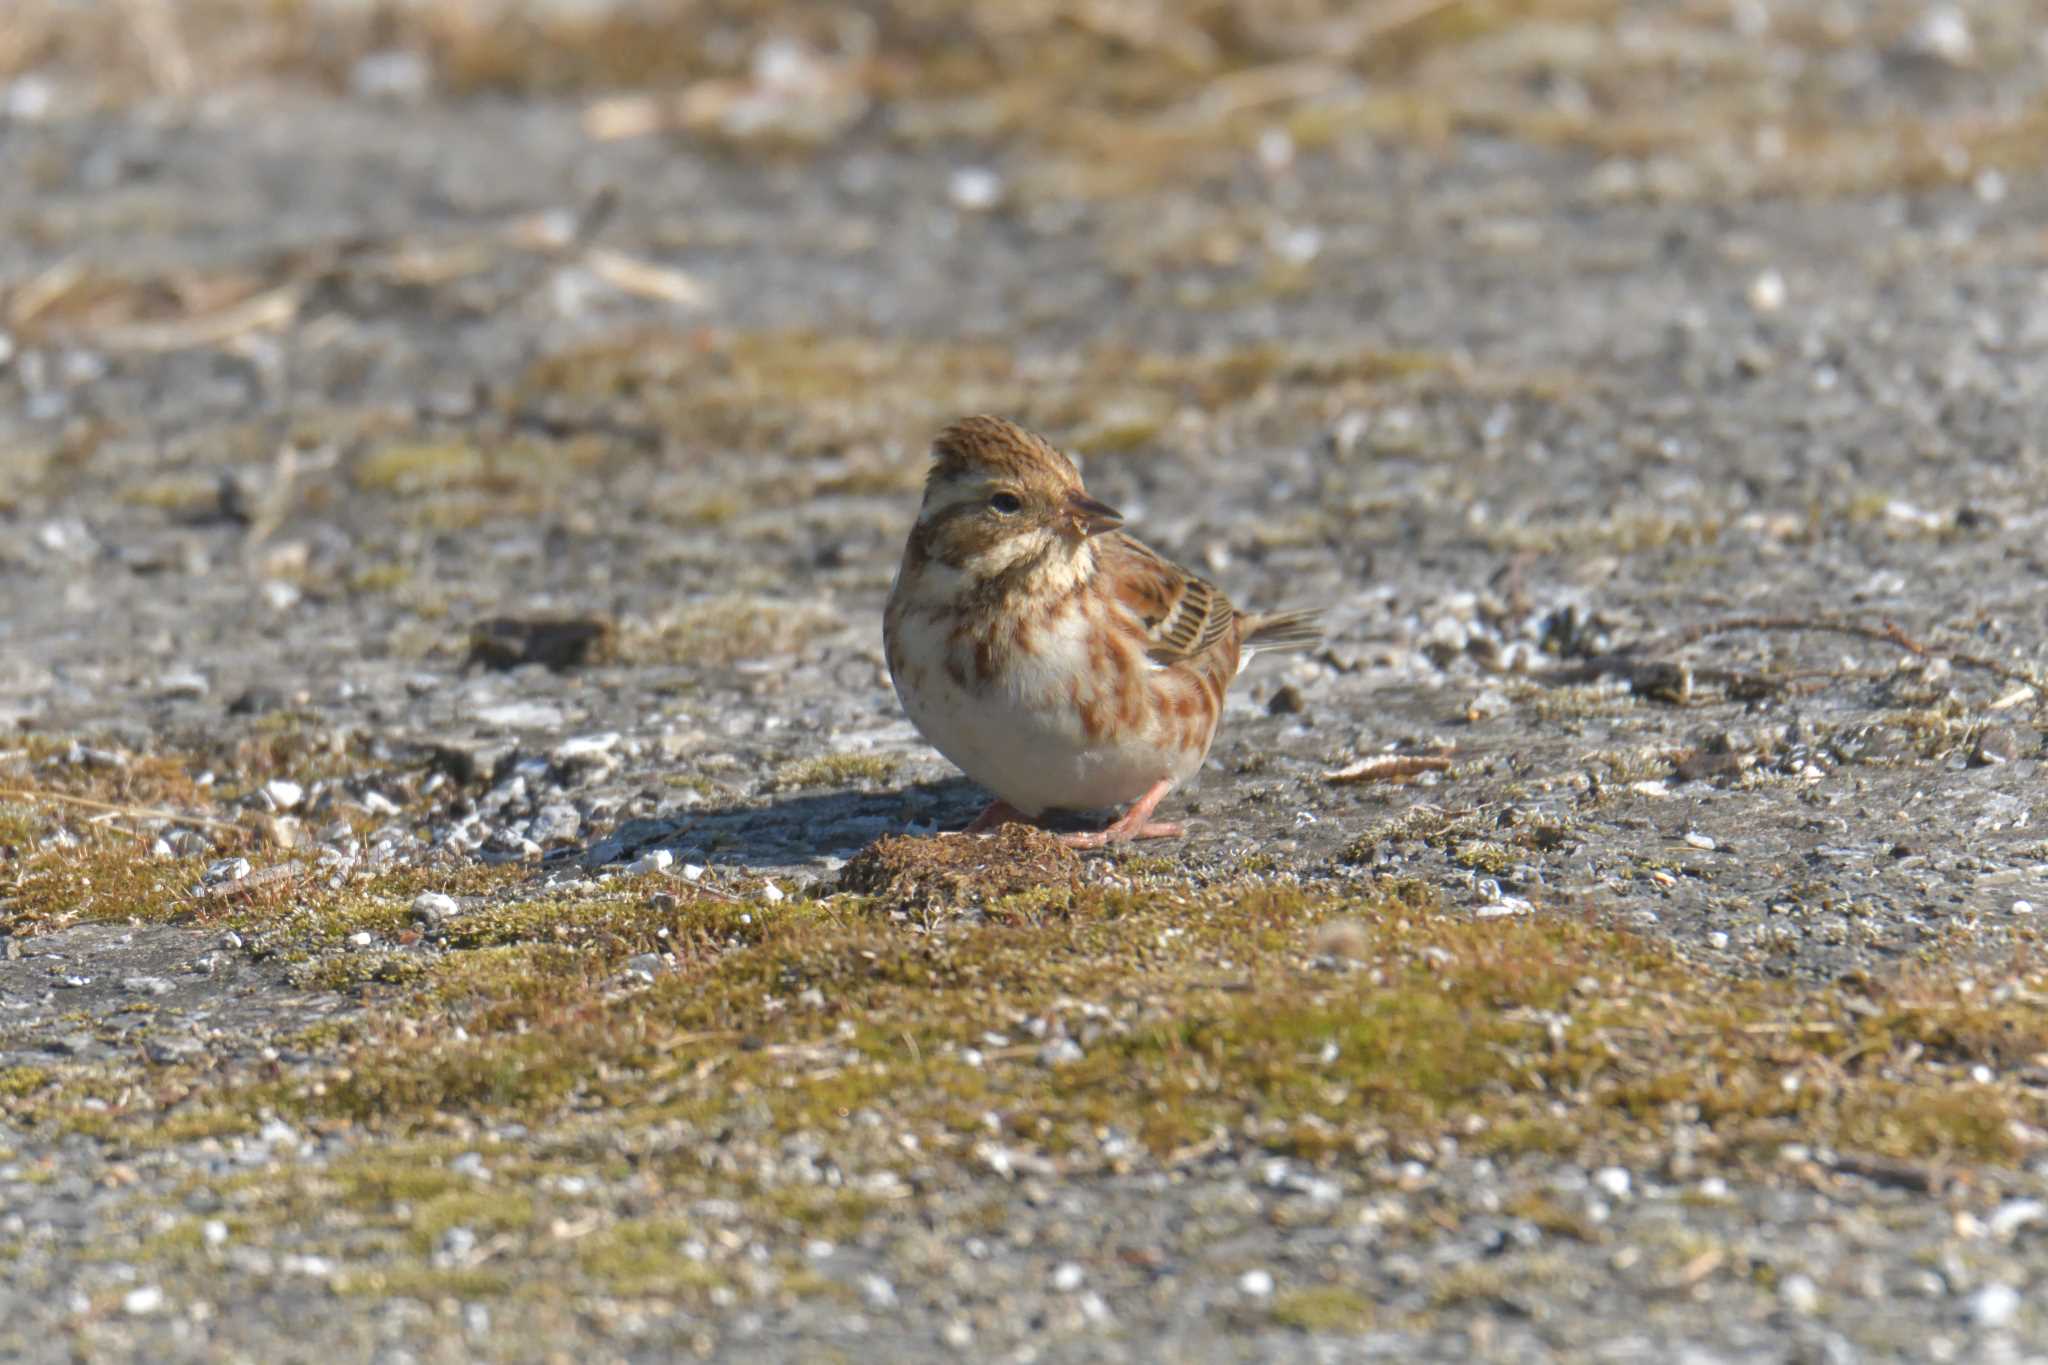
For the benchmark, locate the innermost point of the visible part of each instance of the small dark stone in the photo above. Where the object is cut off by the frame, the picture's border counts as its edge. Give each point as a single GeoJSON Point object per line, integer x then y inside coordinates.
{"type": "Point", "coordinates": [1285, 701]}
{"type": "Point", "coordinates": [256, 701]}
{"type": "Point", "coordinates": [505, 643]}
{"type": "Point", "coordinates": [473, 760]}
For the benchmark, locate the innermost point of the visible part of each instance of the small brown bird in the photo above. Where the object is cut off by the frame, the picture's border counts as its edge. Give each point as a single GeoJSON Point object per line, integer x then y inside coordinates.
{"type": "Point", "coordinates": [1058, 661]}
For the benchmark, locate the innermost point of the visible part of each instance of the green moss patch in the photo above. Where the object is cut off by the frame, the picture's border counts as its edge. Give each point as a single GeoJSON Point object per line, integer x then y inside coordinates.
{"type": "Point", "coordinates": [1169, 1016]}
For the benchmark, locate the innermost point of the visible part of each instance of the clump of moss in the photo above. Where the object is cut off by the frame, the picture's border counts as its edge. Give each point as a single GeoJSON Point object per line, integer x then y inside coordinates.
{"type": "Point", "coordinates": [837, 770]}
{"type": "Point", "coordinates": [19, 1081]}
{"type": "Point", "coordinates": [1323, 1309]}
{"type": "Point", "coordinates": [954, 871]}
{"type": "Point", "coordinates": [647, 1256]}
{"type": "Point", "coordinates": [719, 631]}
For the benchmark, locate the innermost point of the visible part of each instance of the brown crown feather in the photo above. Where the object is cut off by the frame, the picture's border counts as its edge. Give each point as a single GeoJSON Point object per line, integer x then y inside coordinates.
{"type": "Point", "coordinates": [999, 447]}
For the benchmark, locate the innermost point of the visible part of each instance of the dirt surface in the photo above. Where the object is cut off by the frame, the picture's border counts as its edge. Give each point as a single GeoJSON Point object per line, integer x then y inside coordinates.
{"type": "Point", "coordinates": [1682, 490]}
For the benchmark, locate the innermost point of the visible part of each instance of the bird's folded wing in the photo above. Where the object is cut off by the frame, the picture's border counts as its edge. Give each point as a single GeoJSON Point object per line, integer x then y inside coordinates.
{"type": "Point", "coordinates": [1182, 615]}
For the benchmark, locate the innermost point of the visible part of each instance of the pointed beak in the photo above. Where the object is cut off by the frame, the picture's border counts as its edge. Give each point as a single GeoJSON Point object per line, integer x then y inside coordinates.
{"type": "Point", "coordinates": [1091, 518]}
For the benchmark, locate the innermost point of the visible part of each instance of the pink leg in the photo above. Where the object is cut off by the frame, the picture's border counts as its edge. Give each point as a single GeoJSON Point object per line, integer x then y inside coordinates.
{"type": "Point", "coordinates": [998, 813]}
{"type": "Point", "coordinates": [1135, 823]}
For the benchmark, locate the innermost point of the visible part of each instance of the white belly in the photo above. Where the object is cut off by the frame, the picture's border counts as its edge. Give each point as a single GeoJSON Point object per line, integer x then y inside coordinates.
{"type": "Point", "coordinates": [1021, 735]}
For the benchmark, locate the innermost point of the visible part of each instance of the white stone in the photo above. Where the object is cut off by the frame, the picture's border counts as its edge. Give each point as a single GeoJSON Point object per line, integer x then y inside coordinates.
{"type": "Point", "coordinates": [1994, 1305]}
{"type": "Point", "coordinates": [520, 715]}
{"type": "Point", "coordinates": [975, 189]}
{"type": "Point", "coordinates": [1613, 1181]}
{"type": "Point", "coordinates": [1799, 1293]}
{"type": "Point", "coordinates": [432, 906]}
{"type": "Point", "coordinates": [1767, 292]}
{"type": "Point", "coordinates": [585, 746]}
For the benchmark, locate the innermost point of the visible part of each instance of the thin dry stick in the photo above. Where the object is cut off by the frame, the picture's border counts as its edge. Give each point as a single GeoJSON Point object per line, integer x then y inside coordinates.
{"type": "Point", "coordinates": [1889, 633]}
{"type": "Point", "coordinates": [1389, 768]}
{"type": "Point", "coordinates": [132, 812]}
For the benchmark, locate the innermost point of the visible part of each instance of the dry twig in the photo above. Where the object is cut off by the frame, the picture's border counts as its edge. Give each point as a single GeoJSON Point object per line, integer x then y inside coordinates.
{"type": "Point", "coordinates": [1389, 768]}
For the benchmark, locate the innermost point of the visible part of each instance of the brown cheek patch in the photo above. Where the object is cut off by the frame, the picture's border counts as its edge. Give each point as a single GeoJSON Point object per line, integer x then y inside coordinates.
{"type": "Point", "coordinates": [985, 659]}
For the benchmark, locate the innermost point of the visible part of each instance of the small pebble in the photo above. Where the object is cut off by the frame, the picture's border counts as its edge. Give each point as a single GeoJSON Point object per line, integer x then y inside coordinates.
{"type": "Point", "coordinates": [1500, 907]}
{"type": "Point", "coordinates": [1487, 705]}
{"type": "Point", "coordinates": [187, 684]}
{"type": "Point", "coordinates": [1067, 1277]}
{"type": "Point", "coordinates": [654, 860]}
{"type": "Point", "coordinates": [1993, 1306]}
{"type": "Point", "coordinates": [1995, 746]}
{"type": "Point", "coordinates": [225, 871]}
{"type": "Point", "coordinates": [1799, 1293]}
{"type": "Point", "coordinates": [877, 1292]}
{"type": "Point", "coordinates": [169, 1051]}
{"type": "Point", "coordinates": [141, 1302]}
{"type": "Point", "coordinates": [2014, 1214]}
{"type": "Point", "coordinates": [975, 189]}
{"type": "Point", "coordinates": [1767, 292]}
{"type": "Point", "coordinates": [584, 747]}
{"type": "Point", "coordinates": [284, 795]}
{"type": "Point", "coordinates": [1059, 1052]}
{"type": "Point", "coordinates": [432, 909]}
{"type": "Point", "coordinates": [1257, 1284]}
{"type": "Point", "coordinates": [1943, 34]}
{"type": "Point", "coordinates": [1612, 1181]}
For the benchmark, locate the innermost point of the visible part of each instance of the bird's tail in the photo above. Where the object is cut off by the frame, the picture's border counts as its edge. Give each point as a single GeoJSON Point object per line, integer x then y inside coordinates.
{"type": "Point", "coordinates": [1285, 630]}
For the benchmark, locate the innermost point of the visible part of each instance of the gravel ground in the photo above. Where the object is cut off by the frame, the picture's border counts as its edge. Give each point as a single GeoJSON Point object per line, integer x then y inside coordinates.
{"type": "Point", "coordinates": [1698, 528]}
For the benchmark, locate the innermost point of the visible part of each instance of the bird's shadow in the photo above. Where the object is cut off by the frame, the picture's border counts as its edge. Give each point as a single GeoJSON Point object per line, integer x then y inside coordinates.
{"type": "Point", "coordinates": [789, 829]}
{"type": "Point", "coordinates": [800, 828]}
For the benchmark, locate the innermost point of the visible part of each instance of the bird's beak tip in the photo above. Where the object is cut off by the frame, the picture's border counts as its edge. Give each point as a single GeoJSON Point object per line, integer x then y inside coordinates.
{"type": "Point", "coordinates": [1091, 517]}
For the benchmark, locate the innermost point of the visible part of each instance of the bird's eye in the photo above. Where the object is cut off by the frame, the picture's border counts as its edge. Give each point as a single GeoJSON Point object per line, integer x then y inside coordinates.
{"type": "Point", "coordinates": [1006, 503]}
